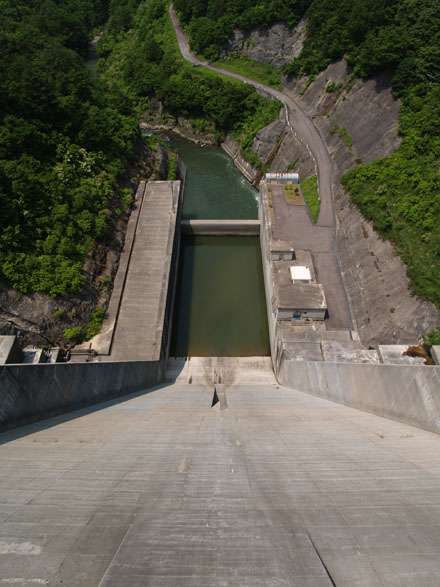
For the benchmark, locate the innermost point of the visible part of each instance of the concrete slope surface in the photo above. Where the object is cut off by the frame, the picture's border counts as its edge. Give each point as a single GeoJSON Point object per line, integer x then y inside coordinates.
{"type": "Point", "coordinates": [268, 487]}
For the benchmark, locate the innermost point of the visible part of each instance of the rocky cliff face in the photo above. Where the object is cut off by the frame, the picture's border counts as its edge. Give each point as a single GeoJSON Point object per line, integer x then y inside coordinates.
{"type": "Point", "coordinates": [274, 46]}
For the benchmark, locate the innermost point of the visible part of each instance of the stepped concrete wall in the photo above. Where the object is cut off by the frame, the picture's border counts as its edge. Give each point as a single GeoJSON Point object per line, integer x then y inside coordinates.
{"type": "Point", "coordinates": [33, 392]}
{"type": "Point", "coordinates": [408, 394]}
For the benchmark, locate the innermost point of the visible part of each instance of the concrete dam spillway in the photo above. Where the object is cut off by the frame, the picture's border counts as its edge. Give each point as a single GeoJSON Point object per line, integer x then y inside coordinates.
{"type": "Point", "coordinates": [218, 471]}
{"type": "Point", "coordinates": [238, 482]}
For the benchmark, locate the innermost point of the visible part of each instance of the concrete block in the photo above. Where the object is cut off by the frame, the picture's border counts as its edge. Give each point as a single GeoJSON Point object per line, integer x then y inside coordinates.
{"type": "Point", "coordinates": [33, 355]}
{"type": "Point", "coordinates": [347, 352]}
{"type": "Point", "coordinates": [392, 354]}
{"type": "Point", "coordinates": [435, 354]}
{"type": "Point", "coordinates": [10, 351]}
{"type": "Point", "coordinates": [303, 351]}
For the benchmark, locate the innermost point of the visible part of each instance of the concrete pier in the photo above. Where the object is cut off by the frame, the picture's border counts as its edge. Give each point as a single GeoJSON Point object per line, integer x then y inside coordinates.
{"type": "Point", "coordinates": [142, 313]}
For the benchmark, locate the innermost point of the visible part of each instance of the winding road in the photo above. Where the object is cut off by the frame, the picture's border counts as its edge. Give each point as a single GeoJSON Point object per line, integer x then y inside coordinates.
{"type": "Point", "coordinates": [298, 122]}
{"type": "Point", "coordinates": [320, 238]}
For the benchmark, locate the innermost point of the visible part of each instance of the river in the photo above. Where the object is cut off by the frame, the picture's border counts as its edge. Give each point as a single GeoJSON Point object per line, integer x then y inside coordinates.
{"type": "Point", "coordinates": [220, 305]}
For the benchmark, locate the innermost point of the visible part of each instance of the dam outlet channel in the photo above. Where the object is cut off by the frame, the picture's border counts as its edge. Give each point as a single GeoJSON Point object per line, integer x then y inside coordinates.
{"type": "Point", "coordinates": [220, 307]}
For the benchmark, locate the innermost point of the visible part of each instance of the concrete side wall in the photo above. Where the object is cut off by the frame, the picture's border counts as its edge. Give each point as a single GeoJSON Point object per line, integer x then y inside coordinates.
{"type": "Point", "coordinates": [232, 148]}
{"type": "Point", "coordinates": [33, 392]}
{"type": "Point", "coordinates": [221, 227]}
{"type": "Point", "coordinates": [264, 215]}
{"type": "Point", "coordinates": [408, 394]}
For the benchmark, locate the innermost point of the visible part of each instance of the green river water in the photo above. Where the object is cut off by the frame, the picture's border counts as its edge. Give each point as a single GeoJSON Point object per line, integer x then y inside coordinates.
{"type": "Point", "coordinates": [220, 305]}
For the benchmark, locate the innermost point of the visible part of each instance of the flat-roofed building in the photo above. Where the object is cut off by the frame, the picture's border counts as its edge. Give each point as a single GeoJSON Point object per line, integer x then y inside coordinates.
{"type": "Point", "coordinates": [300, 301]}
{"type": "Point", "coordinates": [296, 295]}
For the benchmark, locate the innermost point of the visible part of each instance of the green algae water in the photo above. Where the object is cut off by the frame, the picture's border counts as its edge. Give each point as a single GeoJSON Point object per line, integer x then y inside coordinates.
{"type": "Point", "coordinates": [220, 307]}
{"type": "Point", "coordinates": [215, 189]}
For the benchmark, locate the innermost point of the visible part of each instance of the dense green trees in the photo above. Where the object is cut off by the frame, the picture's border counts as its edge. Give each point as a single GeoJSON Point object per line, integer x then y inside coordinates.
{"type": "Point", "coordinates": [146, 63]}
{"type": "Point", "coordinates": [400, 35]}
{"type": "Point", "coordinates": [64, 137]}
{"type": "Point", "coordinates": [62, 143]}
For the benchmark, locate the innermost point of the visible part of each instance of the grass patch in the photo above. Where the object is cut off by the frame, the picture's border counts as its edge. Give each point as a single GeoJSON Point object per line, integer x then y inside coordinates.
{"type": "Point", "coordinates": [310, 81]}
{"type": "Point", "coordinates": [172, 166]}
{"type": "Point", "coordinates": [79, 334]}
{"type": "Point", "coordinates": [338, 130]}
{"type": "Point", "coordinates": [260, 72]}
{"type": "Point", "coordinates": [310, 191]}
{"type": "Point", "coordinates": [293, 195]}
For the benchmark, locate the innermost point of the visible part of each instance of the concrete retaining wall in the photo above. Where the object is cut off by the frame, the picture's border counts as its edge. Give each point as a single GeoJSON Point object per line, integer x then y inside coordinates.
{"type": "Point", "coordinates": [232, 148]}
{"type": "Point", "coordinates": [408, 394]}
{"type": "Point", "coordinates": [264, 215]}
{"type": "Point", "coordinates": [33, 392]}
{"type": "Point", "coordinates": [221, 227]}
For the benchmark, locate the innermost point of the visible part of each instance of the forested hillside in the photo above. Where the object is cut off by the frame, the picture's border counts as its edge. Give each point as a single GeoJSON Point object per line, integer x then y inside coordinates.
{"type": "Point", "coordinates": [63, 141]}
{"type": "Point", "coordinates": [141, 61]}
{"type": "Point", "coordinates": [210, 23]}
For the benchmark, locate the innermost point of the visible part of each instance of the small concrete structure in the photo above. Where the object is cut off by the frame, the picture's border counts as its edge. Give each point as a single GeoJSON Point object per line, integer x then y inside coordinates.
{"type": "Point", "coordinates": [298, 301]}
{"type": "Point", "coordinates": [281, 251]}
{"type": "Point", "coordinates": [302, 299]}
{"type": "Point", "coordinates": [221, 227]}
{"type": "Point", "coordinates": [435, 354]}
{"type": "Point", "coordinates": [347, 352]}
{"type": "Point", "coordinates": [10, 351]}
{"type": "Point", "coordinates": [393, 354]}
{"type": "Point", "coordinates": [33, 355]}
{"type": "Point", "coordinates": [282, 178]}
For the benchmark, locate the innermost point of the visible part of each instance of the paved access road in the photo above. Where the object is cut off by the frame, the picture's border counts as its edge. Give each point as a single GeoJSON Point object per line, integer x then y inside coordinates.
{"type": "Point", "coordinates": [298, 122]}
{"type": "Point", "coordinates": [295, 225]}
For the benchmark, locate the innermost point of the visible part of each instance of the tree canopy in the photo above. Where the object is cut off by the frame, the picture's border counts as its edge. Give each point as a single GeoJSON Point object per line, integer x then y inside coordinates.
{"type": "Point", "coordinates": [62, 143]}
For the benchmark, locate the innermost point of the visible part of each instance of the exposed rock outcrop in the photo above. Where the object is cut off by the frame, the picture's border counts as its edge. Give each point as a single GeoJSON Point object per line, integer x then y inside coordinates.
{"type": "Point", "coordinates": [275, 46]}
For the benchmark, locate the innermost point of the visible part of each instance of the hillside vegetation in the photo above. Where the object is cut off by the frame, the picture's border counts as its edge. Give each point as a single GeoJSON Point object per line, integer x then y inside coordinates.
{"type": "Point", "coordinates": [210, 23]}
{"type": "Point", "coordinates": [141, 61]}
{"type": "Point", "coordinates": [400, 193]}
{"type": "Point", "coordinates": [63, 141]}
